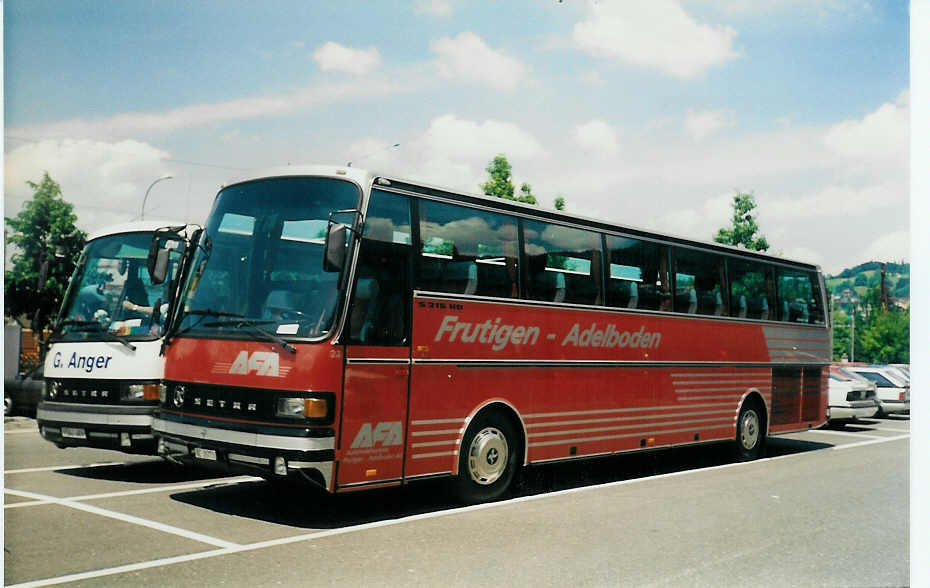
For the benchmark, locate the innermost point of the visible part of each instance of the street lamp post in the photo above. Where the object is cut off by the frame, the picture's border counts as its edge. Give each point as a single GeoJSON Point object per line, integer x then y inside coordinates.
{"type": "Point", "coordinates": [149, 189]}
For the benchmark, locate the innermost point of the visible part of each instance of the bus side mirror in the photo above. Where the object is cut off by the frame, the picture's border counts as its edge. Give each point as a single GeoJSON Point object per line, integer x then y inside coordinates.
{"type": "Point", "coordinates": [334, 255]}
{"type": "Point", "coordinates": [159, 256]}
{"type": "Point", "coordinates": [158, 266]}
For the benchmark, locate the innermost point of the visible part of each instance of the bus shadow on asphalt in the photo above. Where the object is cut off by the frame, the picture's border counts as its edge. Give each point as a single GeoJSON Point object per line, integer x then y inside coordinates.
{"type": "Point", "coordinates": [303, 506]}
{"type": "Point", "coordinates": [155, 471]}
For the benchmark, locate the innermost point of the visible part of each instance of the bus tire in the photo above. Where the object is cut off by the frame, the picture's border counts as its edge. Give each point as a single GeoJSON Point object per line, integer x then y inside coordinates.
{"type": "Point", "coordinates": [488, 458]}
{"type": "Point", "coordinates": [750, 431]}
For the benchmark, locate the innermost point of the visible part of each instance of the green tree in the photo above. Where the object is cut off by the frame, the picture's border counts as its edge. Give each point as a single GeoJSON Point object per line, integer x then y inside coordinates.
{"type": "Point", "coordinates": [840, 335]}
{"type": "Point", "coordinates": [887, 339]}
{"type": "Point", "coordinates": [744, 226]}
{"type": "Point", "coordinates": [526, 194]}
{"type": "Point", "coordinates": [499, 182]}
{"type": "Point", "coordinates": [44, 230]}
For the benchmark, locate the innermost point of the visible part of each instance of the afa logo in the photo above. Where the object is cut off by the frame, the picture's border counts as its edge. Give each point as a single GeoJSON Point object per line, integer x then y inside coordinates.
{"type": "Point", "coordinates": [385, 434]}
{"type": "Point", "coordinates": [263, 363]}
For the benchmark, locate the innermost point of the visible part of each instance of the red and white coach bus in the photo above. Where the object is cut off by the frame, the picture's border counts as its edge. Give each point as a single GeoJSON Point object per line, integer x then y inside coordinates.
{"type": "Point", "coordinates": [361, 331]}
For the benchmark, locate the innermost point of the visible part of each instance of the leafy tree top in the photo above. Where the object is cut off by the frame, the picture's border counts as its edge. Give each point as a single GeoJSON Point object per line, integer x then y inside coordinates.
{"type": "Point", "coordinates": [499, 182]}
{"type": "Point", "coordinates": [44, 230]}
{"type": "Point", "coordinates": [744, 228]}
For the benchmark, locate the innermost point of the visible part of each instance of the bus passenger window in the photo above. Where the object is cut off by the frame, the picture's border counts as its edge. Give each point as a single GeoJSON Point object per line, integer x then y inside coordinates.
{"type": "Point", "coordinates": [750, 289]}
{"type": "Point", "coordinates": [378, 312]}
{"type": "Point", "coordinates": [799, 298]}
{"type": "Point", "coordinates": [466, 251]}
{"type": "Point", "coordinates": [563, 264]}
{"type": "Point", "coordinates": [638, 274]}
{"type": "Point", "coordinates": [698, 283]}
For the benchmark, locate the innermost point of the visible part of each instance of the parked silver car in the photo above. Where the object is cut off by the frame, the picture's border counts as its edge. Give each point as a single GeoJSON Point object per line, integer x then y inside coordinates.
{"type": "Point", "coordinates": [850, 397]}
{"type": "Point", "coordinates": [892, 389]}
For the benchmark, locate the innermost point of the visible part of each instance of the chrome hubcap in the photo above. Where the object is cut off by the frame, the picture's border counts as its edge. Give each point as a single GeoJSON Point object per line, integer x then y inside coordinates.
{"type": "Point", "coordinates": [749, 429]}
{"type": "Point", "coordinates": [487, 456]}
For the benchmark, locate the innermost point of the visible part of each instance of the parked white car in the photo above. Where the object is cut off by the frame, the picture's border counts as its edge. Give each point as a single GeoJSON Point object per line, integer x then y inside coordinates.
{"type": "Point", "coordinates": [893, 391]}
{"type": "Point", "coordinates": [850, 397]}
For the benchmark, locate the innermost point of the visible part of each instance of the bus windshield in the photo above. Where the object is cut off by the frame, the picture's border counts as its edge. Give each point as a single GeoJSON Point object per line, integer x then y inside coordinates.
{"type": "Point", "coordinates": [261, 264]}
{"type": "Point", "coordinates": [111, 293]}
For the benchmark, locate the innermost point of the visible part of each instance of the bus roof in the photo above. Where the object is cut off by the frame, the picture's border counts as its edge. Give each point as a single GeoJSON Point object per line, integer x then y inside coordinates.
{"type": "Point", "coordinates": [134, 227]}
{"type": "Point", "coordinates": [366, 178]}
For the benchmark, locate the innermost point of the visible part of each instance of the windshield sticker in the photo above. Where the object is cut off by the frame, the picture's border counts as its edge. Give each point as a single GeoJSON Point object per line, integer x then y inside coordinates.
{"type": "Point", "coordinates": [290, 329]}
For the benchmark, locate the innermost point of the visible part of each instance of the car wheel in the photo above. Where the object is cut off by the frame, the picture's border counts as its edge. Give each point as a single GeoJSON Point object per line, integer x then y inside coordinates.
{"type": "Point", "coordinates": [750, 432]}
{"type": "Point", "coordinates": [7, 405]}
{"type": "Point", "coordinates": [488, 458]}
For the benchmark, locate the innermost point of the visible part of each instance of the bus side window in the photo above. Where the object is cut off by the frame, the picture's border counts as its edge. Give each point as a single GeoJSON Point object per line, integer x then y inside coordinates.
{"type": "Point", "coordinates": [799, 298]}
{"type": "Point", "coordinates": [563, 264]}
{"type": "Point", "coordinates": [466, 251]}
{"type": "Point", "coordinates": [378, 314]}
{"type": "Point", "coordinates": [637, 274]}
{"type": "Point", "coordinates": [749, 289]}
{"type": "Point", "coordinates": [698, 288]}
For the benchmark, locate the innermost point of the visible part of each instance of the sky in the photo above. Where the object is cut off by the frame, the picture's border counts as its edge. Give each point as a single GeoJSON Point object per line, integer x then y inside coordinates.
{"type": "Point", "coordinates": [647, 114]}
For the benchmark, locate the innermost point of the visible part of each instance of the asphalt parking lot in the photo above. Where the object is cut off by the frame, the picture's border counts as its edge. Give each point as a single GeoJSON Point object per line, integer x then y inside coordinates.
{"type": "Point", "coordinates": [825, 507]}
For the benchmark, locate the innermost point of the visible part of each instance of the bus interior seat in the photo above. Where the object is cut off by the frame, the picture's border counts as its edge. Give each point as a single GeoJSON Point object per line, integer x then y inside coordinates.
{"type": "Point", "coordinates": [633, 295]}
{"type": "Point", "coordinates": [279, 301]}
{"type": "Point", "coordinates": [366, 302]}
{"type": "Point", "coordinates": [462, 276]}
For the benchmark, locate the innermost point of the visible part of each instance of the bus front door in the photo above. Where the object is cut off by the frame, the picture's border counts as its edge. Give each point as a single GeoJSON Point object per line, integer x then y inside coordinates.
{"type": "Point", "coordinates": [374, 412]}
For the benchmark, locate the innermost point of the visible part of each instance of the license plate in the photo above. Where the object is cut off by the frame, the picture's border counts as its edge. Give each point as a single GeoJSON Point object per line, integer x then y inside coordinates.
{"type": "Point", "coordinates": [201, 453]}
{"type": "Point", "coordinates": [73, 433]}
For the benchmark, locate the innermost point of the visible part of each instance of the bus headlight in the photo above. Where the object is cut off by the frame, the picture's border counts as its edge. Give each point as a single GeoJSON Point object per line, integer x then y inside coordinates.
{"type": "Point", "coordinates": [149, 391]}
{"type": "Point", "coordinates": [301, 408]}
{"type": "Point", "coordinates": [52, 388]}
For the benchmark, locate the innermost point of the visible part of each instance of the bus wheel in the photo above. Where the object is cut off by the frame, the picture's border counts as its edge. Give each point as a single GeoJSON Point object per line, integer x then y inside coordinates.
{"type": "Point", "coordinates": [487, 458]}
{"type": "Point", "coordinates": [750, 432]}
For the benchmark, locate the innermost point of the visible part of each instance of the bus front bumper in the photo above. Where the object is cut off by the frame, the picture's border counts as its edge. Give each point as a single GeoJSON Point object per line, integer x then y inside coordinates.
{"type": "Point", "coordinates": [270, 456]}
{"type": "Point", "coordinates": [104, 426]}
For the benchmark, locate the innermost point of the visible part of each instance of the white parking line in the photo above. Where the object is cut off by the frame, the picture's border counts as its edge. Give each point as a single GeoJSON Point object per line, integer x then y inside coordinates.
{"type": "Point", "coordinates": [844, 433]}
{"type": "Point", "coordinates": [172, 488]}
{"type": "Point", "coordinates": [391, 522]}
{"type": "Point", "coordinates": [69, 467]}
{"type": "Point", "coordinates": [888, 430]}
{"type": "Point", "coordinates": [125, 518]}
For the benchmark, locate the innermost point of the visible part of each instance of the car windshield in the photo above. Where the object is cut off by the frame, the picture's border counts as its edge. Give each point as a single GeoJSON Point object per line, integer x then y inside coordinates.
{"type": "Point", "coordinates": [111, 293]}
{"type": "Point", "coordinates": [261, 264]}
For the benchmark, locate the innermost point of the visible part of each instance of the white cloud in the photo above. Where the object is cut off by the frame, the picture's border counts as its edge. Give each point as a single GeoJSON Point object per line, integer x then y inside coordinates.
{"type": "Point", "coordinates": [592, 78]}
{"type": "Point", "coordinates": [332, 56]}
{"type": "Point", "coordinates": [880, 137]}
{"type": "Point", "coordinates": [467, 58]}
{"type": "Point", "coordinates": [701, 124]}
{"type": "Point", "coordinates": [596, 137]}
{"type": "Point", "coordinates": [130, 125]}
{"type": "Point", "coordinates": [452, 152]}
{"type": "Point", "coordinates": [893, 246]}
{"type": "Point", "coordinates": [657, 34]}
{"type": "Point", "coordinates": [105, 181]}
{"type": "Point", "coordinates": [467, 139]}
{"type": "Point", "coordinates": [434, 7]}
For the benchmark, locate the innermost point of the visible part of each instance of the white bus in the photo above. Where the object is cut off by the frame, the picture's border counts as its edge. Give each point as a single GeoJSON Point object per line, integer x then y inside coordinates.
{"type": "Point", "coordinates": [104, 367]}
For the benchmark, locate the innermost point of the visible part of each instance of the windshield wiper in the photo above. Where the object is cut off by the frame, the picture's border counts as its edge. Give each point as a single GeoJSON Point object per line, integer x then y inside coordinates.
{"type": "Point", "coordinates": [202, 313]}
{"type": "Point", "coordinates": [100, 329]}
{"type": "Point", "coordinates": [254, 325]}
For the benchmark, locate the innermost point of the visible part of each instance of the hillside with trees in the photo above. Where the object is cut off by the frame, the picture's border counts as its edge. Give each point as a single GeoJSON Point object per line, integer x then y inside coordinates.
{"type": "Point", "coordinates": [865, 276]}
